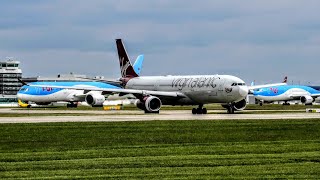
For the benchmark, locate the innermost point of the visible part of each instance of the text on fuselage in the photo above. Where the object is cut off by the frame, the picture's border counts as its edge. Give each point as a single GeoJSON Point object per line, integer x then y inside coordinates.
{"type": "Point", "coordinates": [274, 90]}
{"type": "Point", "coordinates": [47, 89]}
{"type": "Point", "coordinates": [194, 82]}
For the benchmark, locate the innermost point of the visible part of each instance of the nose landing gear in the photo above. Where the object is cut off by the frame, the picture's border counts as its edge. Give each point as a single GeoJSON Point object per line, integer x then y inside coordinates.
{"type": "Point", "coordinates": [230, 109]}
{"type": "Point", "coordinates": [199, 110]}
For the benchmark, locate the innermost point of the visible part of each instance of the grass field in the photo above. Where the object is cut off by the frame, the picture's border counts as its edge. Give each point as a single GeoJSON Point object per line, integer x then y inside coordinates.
{"type": "Point", "coordinates": [162, 149]}
{"type": "Point", "coordinates": [126, 114]}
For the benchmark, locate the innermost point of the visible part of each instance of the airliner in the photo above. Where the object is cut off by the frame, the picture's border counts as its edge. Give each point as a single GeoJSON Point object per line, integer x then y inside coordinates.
{"type": "Point", "coordinates": [305, 94]}
{"type": "Point", "coordinates": [154, 91]}
{"type": "Point", "coordinates": [43, 93]}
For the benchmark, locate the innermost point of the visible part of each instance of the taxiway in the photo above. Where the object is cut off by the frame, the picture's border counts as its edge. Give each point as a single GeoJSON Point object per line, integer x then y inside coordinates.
{"type": "Point", "coordinates": [38, 116]}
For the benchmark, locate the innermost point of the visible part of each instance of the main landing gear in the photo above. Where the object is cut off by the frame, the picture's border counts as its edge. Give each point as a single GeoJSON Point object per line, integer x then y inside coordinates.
{"type": "Point", "coordinates": [286, 103]}
{"type": "Point", "coordinates": [199, 110]}
{"type": "Point", "coordinates": [72, 105]}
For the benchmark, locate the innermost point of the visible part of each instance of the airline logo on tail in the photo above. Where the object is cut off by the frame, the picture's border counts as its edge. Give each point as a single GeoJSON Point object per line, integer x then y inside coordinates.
{"type": "Point", "coordinates": [127, 70]}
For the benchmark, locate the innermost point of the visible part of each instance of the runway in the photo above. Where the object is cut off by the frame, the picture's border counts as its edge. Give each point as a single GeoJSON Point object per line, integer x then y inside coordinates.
{"type": "Point", "coordinates": [39, 116]}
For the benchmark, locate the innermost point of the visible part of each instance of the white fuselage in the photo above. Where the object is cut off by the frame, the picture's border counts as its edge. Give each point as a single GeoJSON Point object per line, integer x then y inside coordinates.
{"type": "Point", "coordinates": [288, 95]}
{"type": "Point", "coordinates": [198, 89]}
{"type": "Point", "coordinates": [43, 92]}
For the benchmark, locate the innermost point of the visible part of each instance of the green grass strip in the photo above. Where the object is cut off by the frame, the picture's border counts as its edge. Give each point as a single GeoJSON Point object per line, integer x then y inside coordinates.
{"type": "Point", "coordinates": [162, 149]}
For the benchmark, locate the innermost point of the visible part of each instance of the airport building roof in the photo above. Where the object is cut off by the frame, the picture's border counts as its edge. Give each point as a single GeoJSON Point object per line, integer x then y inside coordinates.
{"type": "Point", "coordinates": [10, 66]}
{"type": "Point", "coordinates": [63, 77]}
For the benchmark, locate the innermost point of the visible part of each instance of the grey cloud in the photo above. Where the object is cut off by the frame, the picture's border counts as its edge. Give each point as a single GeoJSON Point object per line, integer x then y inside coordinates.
{"type": "Point", "coordinates": [246, 38]}
{"type": "Point", "coordinates": [51, 62]}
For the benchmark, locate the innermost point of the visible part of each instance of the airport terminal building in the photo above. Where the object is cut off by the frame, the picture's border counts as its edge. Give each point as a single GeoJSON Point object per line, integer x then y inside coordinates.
{"type": "Point", "coordinates": [10, 73]}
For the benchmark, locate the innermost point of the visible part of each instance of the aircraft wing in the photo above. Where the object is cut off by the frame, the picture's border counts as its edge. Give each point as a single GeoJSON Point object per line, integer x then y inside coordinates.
{"type": "Point", "coordinates": [109, 81]}
{"type": "Point", "coordinates": [119, 90]}
{"type": "Point", "coordinates": [315, 95]}
{"type": "Point", "coordinates": [297, 96]}
{"type": "Point", "coordinates": [251, 88]}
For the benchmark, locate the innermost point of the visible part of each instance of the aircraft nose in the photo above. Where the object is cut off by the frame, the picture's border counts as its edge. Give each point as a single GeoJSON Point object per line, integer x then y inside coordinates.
{"type": "Point", "coordinates": [255, 93]}
{"type": "Point", "coordinates": [19, 95]}
{"type": "Point", "coordinates": [243, 91]}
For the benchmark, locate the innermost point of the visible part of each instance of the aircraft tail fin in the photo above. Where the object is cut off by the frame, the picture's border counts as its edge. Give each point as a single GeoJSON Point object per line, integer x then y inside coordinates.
{"type": "Point", "coordinates": [285, 79]}
{"type": "Point", "coordinates": [127, 70]}
{"type": "Point", "coordinates": [137, 66]}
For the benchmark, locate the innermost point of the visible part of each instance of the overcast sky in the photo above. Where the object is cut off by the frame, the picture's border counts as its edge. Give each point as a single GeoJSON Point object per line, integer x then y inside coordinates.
{"type": "Point", "coordinates": [254, 40]}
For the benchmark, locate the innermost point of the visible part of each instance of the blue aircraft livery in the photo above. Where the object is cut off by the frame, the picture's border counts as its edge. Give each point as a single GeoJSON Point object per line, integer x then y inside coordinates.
{"type": "Point", "coordinates": [43, 91]}
{"type": "Point", "coordinates": [46, 93]}
{"type": "Point", "coordinates": [137, 66]}
{"type": "Point", "coordinates": [306, 94]}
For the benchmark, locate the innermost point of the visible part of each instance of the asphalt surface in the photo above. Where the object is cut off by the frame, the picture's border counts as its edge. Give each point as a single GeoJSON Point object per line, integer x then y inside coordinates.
{"type": "Point", "coordinates": [33, 116]}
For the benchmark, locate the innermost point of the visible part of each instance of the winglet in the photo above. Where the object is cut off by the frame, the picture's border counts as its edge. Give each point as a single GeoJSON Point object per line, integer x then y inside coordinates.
{"type": "Point", "coordinates": [126, 67]}
{"type": "Point", "coordinates": [285, 79]}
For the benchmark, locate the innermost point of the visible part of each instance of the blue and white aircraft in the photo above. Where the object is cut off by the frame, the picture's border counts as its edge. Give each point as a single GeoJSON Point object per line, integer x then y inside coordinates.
{"type": "Point", "coordinates": [305, 94]}
{"type": "Point", "coordinates": [44, 93]}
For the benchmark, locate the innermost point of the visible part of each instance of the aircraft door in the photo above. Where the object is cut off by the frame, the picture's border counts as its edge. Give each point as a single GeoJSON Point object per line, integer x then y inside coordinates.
{"type": "Point", "coordinates": [156, 85]}
{"type": "Point", "coordinates": [38, 89]}
{"type": "Point", "coordinates": [221, 83]}
{"type": "Point", "coordinates": [221, 92]}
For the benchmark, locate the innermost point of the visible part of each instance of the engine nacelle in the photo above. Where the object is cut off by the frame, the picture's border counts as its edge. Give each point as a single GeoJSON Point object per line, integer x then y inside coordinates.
{"type": "Point", "coordinates": [149, 104]}
{"type": "Point", "coordinates": [241, 105]}
{"type": "Point", "coordinates": [95, 99]}
{"type": "Point", "coordinates": [238, 106]}
{"type": "Point", "coordinates": [306, 99]}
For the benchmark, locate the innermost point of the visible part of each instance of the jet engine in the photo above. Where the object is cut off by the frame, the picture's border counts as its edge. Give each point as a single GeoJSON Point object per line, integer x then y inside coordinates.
{"type": "Point", "coordinates": [241, 105]}
{"type": "Point", "coordinates": [237, 106]}
{"type": "Point", "coordinates": [95, 99]}
{"type": "Point", "coordinates": [306, 99]}
{"type": "Point", "coordinates": [150, 104]}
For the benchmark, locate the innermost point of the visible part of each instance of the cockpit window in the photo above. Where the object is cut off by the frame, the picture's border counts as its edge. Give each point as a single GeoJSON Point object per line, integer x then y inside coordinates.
{"type": "Point", "coordinates": [24, 89]}
{"type": "Point", "coordinates": [238, 84]}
